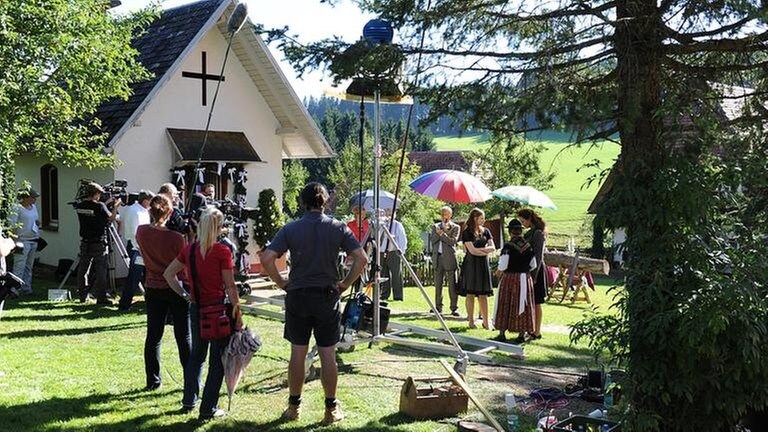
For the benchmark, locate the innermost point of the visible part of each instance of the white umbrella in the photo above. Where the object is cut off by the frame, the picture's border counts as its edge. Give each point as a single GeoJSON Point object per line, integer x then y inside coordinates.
{"type": "Point", "coordinates": [386, 199]}
{"type": "Point", "coordinates": [526, 195]}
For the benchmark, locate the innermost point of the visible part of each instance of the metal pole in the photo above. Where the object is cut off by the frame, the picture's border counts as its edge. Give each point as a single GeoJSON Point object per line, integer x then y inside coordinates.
{"type": "Point", "coordinates": [377, 206]}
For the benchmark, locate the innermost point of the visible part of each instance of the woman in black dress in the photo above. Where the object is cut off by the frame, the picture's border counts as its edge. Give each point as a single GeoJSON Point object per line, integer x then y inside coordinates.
{"type": "Point", "coordinates": [475, 269]}
{"type": "Point", "coordinates": [536, 236]}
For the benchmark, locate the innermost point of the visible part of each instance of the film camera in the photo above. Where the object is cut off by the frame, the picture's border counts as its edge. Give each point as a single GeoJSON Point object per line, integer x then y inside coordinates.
{"type": "Point", "coordinates": [235, 210]}
{"type": "Point", "coordinates": [116, 189]}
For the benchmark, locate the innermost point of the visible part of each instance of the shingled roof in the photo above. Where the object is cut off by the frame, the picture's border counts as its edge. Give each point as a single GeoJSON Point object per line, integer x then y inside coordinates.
{"type": "Point", "coordinates": [432, 160]}
{"type": "Point", "coordinates": [159, 47]}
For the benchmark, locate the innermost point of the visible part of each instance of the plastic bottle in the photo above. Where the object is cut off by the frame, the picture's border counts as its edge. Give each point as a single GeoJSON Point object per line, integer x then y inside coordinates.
{"type": "Point", "coordinates": [513, 421]}
{"type": "Point", "coordinates": [608, 396]}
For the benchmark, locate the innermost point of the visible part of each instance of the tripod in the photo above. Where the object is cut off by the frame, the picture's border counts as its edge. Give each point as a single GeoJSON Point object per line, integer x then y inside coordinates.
{"type": "Point", "coordinates": [114, 243]}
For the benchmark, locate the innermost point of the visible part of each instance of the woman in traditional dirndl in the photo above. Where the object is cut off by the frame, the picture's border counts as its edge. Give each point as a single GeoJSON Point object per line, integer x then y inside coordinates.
{"type": "Point", "coordinates": [515, 310]}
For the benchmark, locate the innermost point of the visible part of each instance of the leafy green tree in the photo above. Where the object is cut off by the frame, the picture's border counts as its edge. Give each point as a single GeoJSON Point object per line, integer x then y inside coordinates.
{"type": "Point", "coordinates": [269, 218]}
{"type": "Point", "coordinates": [294, 178]}
{"type": "Point", "coordinates": [60, 60]}
{"type": "Point", "coordinates": [664, 76]}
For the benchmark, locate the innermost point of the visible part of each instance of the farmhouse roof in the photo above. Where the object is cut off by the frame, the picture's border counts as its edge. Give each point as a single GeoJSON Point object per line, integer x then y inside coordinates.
{"type": "Point", "coordinates": [432, 160]}
{"type": "Point", "coordinates": [730, 106]}
{"type": "Point", "coordinates": [174, 34]}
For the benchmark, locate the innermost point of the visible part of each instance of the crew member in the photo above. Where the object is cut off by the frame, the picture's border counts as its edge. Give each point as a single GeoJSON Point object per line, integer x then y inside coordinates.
{"type": "Point", "coordinates": [94, 217]}
{"type": "Point", "coordinates": [132, 217]}
{"type": "Point", "coordinates": [313, 290]}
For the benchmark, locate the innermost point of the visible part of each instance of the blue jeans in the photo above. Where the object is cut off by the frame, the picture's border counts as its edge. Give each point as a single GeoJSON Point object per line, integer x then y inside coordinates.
{"type": "Point", "coordinates": [135, 275]}
{"type": "Point", "coordinates": [159, 303]}
{"type": "Point", "coordinates": [23, 262]}
{"type": "Point", "coordinates": [194, 369]}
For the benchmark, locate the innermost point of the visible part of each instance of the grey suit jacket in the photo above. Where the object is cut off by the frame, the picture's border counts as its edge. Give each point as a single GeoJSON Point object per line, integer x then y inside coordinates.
{"type": "Point", "coordinates": [449, 238]}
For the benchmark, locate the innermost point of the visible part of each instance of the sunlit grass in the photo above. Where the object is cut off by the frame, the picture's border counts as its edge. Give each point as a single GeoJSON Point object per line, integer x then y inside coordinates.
{"type": "Point", "coordinates": [72, 367]}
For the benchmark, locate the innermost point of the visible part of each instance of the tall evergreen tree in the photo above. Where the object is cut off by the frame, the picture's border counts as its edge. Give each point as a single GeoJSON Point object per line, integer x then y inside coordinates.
{"type": "Point", "coordinates": [664, 75]}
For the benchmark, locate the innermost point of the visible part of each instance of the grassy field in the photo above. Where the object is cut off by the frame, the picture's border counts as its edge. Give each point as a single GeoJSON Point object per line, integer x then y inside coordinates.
{"type": "Point", "coordinates": [73, 367]}
{"type": "Point", "coordinates": [569, 190]}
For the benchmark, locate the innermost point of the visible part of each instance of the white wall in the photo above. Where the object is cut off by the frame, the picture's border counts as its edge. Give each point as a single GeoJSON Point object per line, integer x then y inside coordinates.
{"type": "Point", "coordinates": [146, 152]}
{"type": "Point", "coordinates": [65, 242]}
{"type": "Point", "coordinates": [619, 237]}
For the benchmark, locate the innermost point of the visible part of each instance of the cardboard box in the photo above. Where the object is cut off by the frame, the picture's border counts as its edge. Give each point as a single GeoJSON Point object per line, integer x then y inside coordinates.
{"type": "Point", "coordinates": [432, 398]}
{"type": "Point", "coordinates": [58, 295]}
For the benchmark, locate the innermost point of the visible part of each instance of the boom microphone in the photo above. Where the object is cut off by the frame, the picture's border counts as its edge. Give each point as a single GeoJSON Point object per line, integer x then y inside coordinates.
{"type": "Point", "coordinates": [237, 18]}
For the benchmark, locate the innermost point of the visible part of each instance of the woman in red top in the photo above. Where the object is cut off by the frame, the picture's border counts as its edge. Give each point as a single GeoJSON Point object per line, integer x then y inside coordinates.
{"type": "Point", "coordinates": [214, 267]}
{"type": "Point", "coordinates": [159, 246]}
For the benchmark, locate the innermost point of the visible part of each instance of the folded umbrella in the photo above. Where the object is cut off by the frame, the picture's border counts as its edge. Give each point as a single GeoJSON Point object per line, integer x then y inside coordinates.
{"type": "Point", "coordinates": [236, 357]}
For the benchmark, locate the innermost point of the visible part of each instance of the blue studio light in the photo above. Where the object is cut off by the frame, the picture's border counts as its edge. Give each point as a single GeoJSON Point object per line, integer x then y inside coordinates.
{"type": "Point", "coordinates": [378, 32]}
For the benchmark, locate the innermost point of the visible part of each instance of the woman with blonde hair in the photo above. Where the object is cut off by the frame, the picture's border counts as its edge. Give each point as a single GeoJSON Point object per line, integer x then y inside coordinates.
{"type": "Point", "coordinates": [209, 267]}
{"type": "Point", "coordinates": [475, 269]}
{"type": "Point", "coordinates": [159, 246]}
{"type": "Point", "coordinates": [536, 236]}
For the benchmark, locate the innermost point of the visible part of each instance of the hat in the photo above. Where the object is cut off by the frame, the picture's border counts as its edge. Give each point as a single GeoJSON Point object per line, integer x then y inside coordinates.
{"type": "Point", "coordinates": [515, 225]}
{"type": "Point", "coordinates": [92, 188]}
{"type": "Point", "coordinates": [28, 192]}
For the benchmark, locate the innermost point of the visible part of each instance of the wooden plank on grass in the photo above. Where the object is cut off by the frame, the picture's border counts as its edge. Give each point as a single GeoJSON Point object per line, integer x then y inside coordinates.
{"type": "Point", "coordinates": [461, 383]}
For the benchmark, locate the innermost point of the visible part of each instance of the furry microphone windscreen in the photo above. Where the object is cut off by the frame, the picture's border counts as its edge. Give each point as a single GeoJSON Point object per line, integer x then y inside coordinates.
{"type": "Point", "coordinates": [238, 18]}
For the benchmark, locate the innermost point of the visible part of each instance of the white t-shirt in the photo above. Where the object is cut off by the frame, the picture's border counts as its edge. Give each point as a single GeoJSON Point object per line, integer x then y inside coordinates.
{"type": "Point", "coordinates": [131, 217]}
{"type": "Point", "coordinates": [25, 222]}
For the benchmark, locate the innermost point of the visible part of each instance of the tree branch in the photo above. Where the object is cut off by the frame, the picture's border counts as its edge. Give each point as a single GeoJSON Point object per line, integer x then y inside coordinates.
{"type": "Point", "coordinates": [690, 37]}
{"type": "Point", "coordinates": [708, 70]}
{"type": "Point", "coordinates": [582, 10]}
{"type": "Point", "coordinates": [531, 55]}
{"type": "Point", "coordinates": [749, 43]}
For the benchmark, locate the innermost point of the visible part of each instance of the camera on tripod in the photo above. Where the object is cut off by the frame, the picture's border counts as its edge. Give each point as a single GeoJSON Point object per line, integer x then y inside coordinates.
{"type": "Point", "coordinates": [117, 190]}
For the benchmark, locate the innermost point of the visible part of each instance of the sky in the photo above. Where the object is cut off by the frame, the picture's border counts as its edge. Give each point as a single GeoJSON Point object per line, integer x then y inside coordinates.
{"type": "Point", "coordinates": [309, 19]}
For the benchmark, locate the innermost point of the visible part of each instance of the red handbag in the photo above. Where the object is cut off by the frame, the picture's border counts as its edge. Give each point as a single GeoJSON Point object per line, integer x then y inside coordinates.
{"type": "Point", "coordinates": [215, 321]}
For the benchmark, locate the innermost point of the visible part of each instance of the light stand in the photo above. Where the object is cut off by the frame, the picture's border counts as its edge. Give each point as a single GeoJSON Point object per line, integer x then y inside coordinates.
{"type": "Point", "coordinates": [379, 33]}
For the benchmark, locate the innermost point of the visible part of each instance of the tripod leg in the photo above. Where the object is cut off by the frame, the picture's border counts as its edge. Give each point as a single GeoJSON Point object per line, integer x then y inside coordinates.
{"type": "Point", "coordinates": [72, 268]}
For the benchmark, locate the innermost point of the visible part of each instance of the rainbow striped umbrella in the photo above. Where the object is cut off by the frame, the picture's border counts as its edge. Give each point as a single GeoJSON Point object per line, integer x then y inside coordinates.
{"type": "Point", "coordinates": [451, 186]}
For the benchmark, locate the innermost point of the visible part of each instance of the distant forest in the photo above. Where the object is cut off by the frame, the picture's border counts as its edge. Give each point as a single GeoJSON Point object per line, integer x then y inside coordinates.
{"type": "Point", "coordinates": [339, 121]}
{"type": "Point", "coordinates": [390, 113]}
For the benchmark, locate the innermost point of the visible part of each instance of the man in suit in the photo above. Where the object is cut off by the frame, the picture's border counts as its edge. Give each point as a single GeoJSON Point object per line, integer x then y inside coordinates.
{"type": "Point", "coordinates": [445, 235]}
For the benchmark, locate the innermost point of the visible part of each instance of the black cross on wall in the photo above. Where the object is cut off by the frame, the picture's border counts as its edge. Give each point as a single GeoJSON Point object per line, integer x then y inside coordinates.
{"type": "Point", "coordinates": [204, 77]}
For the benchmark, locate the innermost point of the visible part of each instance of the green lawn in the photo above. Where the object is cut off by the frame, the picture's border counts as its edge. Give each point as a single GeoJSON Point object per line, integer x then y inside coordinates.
{"type": "Point", "coordinates": [72, 367]}
{"type": "Point", "coordinates": [569, 190]}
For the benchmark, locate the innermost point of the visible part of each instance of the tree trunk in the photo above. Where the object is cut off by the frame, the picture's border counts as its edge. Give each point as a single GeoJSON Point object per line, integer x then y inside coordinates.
{"type": "Point", "coordinates": [638, 47]}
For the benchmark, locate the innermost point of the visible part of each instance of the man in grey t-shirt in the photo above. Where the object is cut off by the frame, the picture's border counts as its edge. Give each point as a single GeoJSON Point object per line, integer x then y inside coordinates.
{"type": "Point", "coordinates": [313, 289]}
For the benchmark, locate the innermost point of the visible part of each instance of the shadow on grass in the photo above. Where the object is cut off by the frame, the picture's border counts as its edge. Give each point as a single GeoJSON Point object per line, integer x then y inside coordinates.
{"type": "Point", "coordinates": [56, 412]}
{"type": "Point", "coordinates": [72, 331]}
{"type": "Point", "coordinates": [389, 423]}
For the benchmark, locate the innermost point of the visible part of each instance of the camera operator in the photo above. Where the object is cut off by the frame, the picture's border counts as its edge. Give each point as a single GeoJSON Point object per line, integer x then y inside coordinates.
{"type": "Point", "coordinates": [176, 222]}
{"type": "Point", "coordinates": [94, 217]}
{"type": "Point", "coordinates": [132, 217]}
